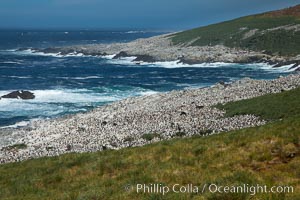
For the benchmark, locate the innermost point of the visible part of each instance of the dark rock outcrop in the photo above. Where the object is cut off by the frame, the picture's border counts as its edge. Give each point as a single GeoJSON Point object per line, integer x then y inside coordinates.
{"type": "Point", "coordinates": [23, 49]}
{"type": "Point", "coordinates": [144, 58]}
{"type": "Point", "coordinates": [19, 95]}
{"type": "Point", "coordinates": [122, 54]}
{"type": "Point", "coordinates": [189, 61]}
{"type": "Point", "coordinates": [93, 53]}
{"type": "Point", "coordinates": [50, 50]}
{"type": "Point", "coordinates": [139, 58]}
{"type": "Point", "coordinates": [66, 51]}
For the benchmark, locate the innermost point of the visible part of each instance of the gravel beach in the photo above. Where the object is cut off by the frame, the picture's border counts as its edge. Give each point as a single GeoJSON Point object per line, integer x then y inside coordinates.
{"type": "Point", "coordinates": [124, 123]}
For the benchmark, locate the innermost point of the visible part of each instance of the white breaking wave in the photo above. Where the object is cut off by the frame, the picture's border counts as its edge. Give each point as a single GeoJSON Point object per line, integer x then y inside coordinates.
{"type": "Point", "coordinates": [129, 61]}
{"type": "Point", "coordinates": [177, 64]}
{"type": "Point", "coordinates": [11, 50]}
{"type": "Point", "coordinates": [109, 56]}
{"type": "Point", "coordinates": [49, 103]}
{"type": "Point", "coordinates": [132, 32]}
{"type": "Point", "coordinates": [17, 125]}
{"type": "Point", "coordinates": [33, 52]}
{"type": "Point", "coordinates": [147, 93]}
{"type": "Point", "coordinates": [264, 66]}
{"type": "Point", "coordinates": [20, 77]}
{"type": "Point", "coordinates": [58, 55]}
{"type": "Point", "coordinates": [69, 96]}
{"type": "Point", "coordinates": [271, 68]}
{"type": "Point", "coordinates": [122, 61]}
{"type": "Point", "coordinates": [10, 62]}
{"type": "Point", "coordinates": [81, 78]}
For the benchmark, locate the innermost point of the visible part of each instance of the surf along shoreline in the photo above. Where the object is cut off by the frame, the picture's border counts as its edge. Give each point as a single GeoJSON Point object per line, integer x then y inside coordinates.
{"type": "Point", "coordinates": [161, 49]}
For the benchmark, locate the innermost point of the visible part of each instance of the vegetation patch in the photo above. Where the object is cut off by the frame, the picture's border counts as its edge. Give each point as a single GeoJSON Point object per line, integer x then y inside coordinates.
{"type": "Point", "coordinates": [255, 32]}
{"type": "Point", "coordinates": [270, 107]}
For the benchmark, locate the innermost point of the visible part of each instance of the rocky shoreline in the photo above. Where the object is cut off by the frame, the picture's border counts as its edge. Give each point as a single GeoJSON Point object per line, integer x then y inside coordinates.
{"type": "Point", "coordinates": [160, 49]}
{"type": "Point", "coordinates": [140, 120]}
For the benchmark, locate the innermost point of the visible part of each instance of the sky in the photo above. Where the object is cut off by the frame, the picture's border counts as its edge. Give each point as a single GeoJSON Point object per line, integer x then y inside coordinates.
{"type": "Point", "coordinates": [128, 14]}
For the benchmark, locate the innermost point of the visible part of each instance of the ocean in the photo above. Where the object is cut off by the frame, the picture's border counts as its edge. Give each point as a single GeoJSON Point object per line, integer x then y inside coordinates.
{"type": "Point", "coordinates": [76, 83]}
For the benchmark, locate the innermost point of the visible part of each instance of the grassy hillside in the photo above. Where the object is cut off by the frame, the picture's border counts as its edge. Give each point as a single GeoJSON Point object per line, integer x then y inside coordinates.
{"type": "Point", "coordinates": [270, 107]}
{"type": "Point", "coordinates": [256, 32]}
{"type": "Point", "coordinates": [262, 155]}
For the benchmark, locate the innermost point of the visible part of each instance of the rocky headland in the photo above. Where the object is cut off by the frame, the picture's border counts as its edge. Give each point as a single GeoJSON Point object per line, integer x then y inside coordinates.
{"type": "Point", "coordinates": [160, 49]}
{"type": "Point", "coordinates": [271, 37]}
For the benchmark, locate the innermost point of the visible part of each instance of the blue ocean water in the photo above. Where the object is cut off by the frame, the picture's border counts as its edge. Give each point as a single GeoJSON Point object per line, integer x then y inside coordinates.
{"type": "Point", "coordinates": [71, 84]}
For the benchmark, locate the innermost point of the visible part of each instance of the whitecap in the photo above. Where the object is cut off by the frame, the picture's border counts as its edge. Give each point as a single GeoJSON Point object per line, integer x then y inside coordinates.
{"type": "Point", "coordinates": [178, 64]}
{"type": "Point", "coordinates": [40, 53]}
{"type": "Point", "coordinates": [57, 102]}
{"type": "Point", "coordinates": [19, 77]}
{"type": "Point", "coordinates": [134, 32]}
{"type": "Point", "coordinates": [10, 50]}
{"type": "Point", "coordinates": [10, 62]}
{"type": "Point", "coordinates": [81, 78]}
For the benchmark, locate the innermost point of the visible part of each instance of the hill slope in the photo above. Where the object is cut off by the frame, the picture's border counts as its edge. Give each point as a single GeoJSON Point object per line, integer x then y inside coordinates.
{"type": "Point", "coordinates": [276, 32]}
{"type": "Point", "coordinates": [267, 155]}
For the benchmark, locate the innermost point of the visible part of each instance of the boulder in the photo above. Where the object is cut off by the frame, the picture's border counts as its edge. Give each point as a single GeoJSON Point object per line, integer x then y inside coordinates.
{"type": "Point", "coordinates": [19, 95]}
{"type": "Point", "coordinates": [183, 113]}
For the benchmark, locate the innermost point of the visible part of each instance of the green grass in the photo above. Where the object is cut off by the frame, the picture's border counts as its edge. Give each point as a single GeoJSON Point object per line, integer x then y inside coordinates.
{"type": "Point", "coordinates": [269, 107]}
{"type": "Point", "coordinates": [231, 34]}
{"type": "Point", "coordinates": [262, 155]}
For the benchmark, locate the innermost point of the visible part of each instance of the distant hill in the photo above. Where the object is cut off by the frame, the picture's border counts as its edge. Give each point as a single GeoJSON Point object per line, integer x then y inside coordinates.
{"type": "Point", "coordinates": [275, 33]}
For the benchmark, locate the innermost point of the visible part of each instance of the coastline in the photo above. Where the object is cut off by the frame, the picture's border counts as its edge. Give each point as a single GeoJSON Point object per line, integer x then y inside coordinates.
{"type": "Point", "coordinates": [161, 49]}
{"type": "Point", "coordinates": [125, 123]}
